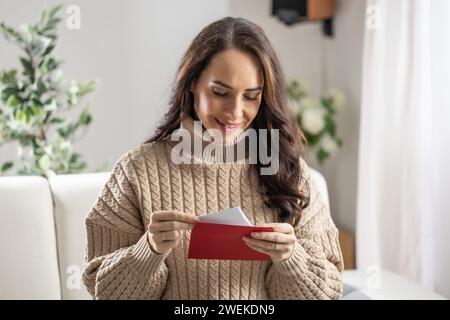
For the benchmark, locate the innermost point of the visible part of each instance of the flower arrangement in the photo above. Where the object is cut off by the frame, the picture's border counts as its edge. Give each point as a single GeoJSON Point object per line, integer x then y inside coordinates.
{"type": "Point", "coordinates": [316, 117]}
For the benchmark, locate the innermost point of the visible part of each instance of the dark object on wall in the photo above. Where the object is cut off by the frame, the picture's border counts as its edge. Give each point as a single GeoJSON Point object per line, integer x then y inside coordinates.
{"type": "Point", "coordinates": [295, 11]}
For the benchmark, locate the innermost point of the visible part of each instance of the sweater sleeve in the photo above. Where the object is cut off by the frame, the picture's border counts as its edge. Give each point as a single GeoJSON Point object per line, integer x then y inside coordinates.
{"type": "Point", "coordinates": [119, 262]}
{"type": "Point", "coordinates": [313, 271]}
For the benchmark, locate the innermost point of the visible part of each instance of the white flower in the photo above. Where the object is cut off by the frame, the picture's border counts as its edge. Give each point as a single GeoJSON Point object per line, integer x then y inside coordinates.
{"type": "Point", "coordinates": [308, 102]}
{"type": "Point", "coordinates": [338, 98]}
{"type": "Point", "coordinates": [313, 120]}
{"type": "Point", "coordinates": [329, 144]}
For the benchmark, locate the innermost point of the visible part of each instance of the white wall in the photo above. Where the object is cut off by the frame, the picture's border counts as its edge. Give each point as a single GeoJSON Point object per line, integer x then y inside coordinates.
{"type": "Point", "coordinates": [134, 47]}
{"type": "Point", "coordinates": [343, 70]}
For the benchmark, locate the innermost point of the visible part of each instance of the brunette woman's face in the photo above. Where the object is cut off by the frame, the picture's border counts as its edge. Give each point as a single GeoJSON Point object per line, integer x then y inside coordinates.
{"type": "Point", "coordinates": [228, 93]}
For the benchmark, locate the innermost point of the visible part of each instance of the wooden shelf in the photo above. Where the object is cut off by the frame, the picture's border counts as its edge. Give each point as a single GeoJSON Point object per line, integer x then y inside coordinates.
{"type": "Point", "coordinates": [347, 242]}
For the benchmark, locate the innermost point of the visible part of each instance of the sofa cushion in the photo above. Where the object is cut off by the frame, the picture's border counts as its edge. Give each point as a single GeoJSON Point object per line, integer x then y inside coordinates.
{"type": "Point", "coordinates": [29, 262]}
{"type": "Point", "coordinates": [74, 196]}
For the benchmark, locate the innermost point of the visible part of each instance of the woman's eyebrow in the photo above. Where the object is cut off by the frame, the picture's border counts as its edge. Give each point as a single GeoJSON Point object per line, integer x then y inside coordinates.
{"type": "Point", "coordinates": [220, 83]}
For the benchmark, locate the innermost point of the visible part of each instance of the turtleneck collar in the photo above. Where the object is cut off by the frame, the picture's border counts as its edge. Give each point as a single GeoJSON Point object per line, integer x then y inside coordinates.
{"type": "Point", "coordinates": [203, 147]}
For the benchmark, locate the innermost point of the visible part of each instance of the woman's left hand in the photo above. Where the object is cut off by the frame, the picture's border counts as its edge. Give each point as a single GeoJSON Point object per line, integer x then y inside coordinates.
{"type": "Point", "coordinates": [278, 244]}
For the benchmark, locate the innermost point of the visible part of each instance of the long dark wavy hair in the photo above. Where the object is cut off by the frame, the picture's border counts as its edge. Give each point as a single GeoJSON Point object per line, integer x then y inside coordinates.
{"type": "Point", "coordinates": [280, 190]}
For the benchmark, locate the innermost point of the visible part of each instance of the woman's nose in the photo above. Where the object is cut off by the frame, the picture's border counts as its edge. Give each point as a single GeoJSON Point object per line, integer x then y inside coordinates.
{"type": "Point", "coordinates": [236, 109]}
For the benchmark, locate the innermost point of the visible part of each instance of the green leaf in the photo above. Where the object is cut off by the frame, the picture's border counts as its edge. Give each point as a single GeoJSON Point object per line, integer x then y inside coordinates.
{"type": "Point", "coordinates": [86, 88]}
{"type": "Point", "coordinates": [330, 126]}
{"type": "Point", "coordinates": [75, 162]}
{"type": "Point", "coordinates": [37, 102]}
{"type": "Point", "coordinates": [57, 120]}
{"type": "Point", "coordinates": [49, 48]}
{"type": "Point", "coordinates": [67, 130]}
{"type": "Point", "coordinates": [28, 68]}
{"type": "Point", "coordinates": [43, 18]}
{"type": "Point", "coordinates": [43, 64]}
{"type": "Point", "coordinates": [13, 101]}
{"type": "Point", "coordinates": [322, 155]}
{"type": "Point", "coordinates": [77, 166]}
{"type": "Point", "coordinates": [8, 91]}
{"type": "Point", "coordinates": [11, 34]}
{"type": "Point", "coordinates": [85, 118]}
{"type": "Point", "coordinates": [327, 103]}
{"type": "Point", "coordinates": [32, 112]}
{"type": "Point", "coordinates": [21, 116]}
{"type": "Point", "coordinates": [74, 157]}
{"type": "Point", "coordinates": [41, 87]}
{"type": "Point", "coordinates": [35, 143]}
{"type": "Point", "coordinates": [52, 24]}
{"type": "Point", "coordinates": [44, 162]}
{"type": "Point", "coordinates": [8, 77]}
{"type": "Point", "coordinates": [312, 139]}
{"type": "Point", "coordinates": [6, 166]}
{"type": "Point", "coordinates": [55, 10]}
{"type": "Point", "coordinates": [52, 64]}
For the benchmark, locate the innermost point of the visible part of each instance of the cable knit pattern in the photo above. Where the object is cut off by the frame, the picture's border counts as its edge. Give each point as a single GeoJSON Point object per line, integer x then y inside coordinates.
{"type": "Point", "coordinates": [120, 263]}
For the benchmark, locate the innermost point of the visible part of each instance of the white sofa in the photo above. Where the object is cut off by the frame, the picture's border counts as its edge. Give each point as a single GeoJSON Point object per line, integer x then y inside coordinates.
{"type": "Point", "coordinates": [42, 241]}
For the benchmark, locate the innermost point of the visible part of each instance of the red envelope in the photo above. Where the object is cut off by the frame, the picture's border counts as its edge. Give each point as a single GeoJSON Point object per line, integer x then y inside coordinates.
{"type": "Point", "coordinates": [223, 242]}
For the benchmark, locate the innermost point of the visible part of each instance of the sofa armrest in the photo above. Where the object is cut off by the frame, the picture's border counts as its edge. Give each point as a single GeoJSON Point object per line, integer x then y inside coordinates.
{"type": "Point", "coordinates": [29, 261]}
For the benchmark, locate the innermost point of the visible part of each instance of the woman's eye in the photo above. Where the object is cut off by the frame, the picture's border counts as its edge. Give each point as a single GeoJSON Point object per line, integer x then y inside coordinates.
{"type": "Point", "coordinates": [223, 94]}
{"type": "Point", "coordinates": [251, 98]}
{"type": "Point", "coordinates": [220, 94]}
{"type": "Point", "coordinates": [254, 97]}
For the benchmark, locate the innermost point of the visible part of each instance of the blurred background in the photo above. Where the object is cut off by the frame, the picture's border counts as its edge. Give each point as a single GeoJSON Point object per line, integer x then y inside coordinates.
{"type": "Point", "coordinates": [372, 71]}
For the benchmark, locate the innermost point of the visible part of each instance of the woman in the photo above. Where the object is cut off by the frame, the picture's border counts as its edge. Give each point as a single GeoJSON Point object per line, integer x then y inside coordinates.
{"type": "Point", "coordinates": [139, 228]}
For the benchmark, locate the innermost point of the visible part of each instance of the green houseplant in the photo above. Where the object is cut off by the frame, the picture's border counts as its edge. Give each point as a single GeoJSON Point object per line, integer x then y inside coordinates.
{"type": "Point", "coordinates": [34, 99]}
{"type": "Point", "coordinates": [316, 117]}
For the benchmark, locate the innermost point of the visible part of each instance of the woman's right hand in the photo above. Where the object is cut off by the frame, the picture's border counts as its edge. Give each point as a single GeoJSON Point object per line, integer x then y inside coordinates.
{"type": "Point", "coordinates": [166, 229]}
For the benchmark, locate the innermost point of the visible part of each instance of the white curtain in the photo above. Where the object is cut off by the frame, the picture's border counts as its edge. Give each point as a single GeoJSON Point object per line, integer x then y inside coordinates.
{"type": "Point", "coordinates": [403, 215]}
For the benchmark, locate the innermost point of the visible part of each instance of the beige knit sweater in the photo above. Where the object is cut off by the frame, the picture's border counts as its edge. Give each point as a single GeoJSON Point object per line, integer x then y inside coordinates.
{"type": "Point", "coordinates": [121, 265]}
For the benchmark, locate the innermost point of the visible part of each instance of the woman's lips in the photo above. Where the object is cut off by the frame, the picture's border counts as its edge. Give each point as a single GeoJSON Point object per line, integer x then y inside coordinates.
{"type": "Point", "coordinates": [228, 127]}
